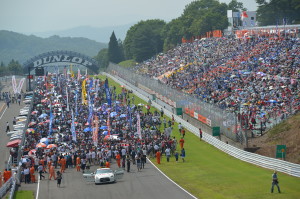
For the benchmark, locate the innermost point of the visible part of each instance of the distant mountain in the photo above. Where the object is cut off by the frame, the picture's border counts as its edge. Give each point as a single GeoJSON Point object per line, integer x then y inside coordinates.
{"type": "Point", "coordinates": [21, 47]}
{"type": "Point", "coordinates": [100, 34]}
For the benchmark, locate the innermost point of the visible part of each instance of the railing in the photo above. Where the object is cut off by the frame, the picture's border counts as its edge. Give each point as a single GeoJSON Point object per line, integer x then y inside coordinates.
{"type": "Point", "coordinates": [259, 160]}
{"type": "Point", "coordinates": [5, 187]}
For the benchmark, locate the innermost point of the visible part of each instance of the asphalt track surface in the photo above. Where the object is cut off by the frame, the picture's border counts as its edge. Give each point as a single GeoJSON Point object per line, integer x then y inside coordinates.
{"type": "Point", "coordinates": [7, 115]}
{"type": "Point", "coordinates": [146, 184]}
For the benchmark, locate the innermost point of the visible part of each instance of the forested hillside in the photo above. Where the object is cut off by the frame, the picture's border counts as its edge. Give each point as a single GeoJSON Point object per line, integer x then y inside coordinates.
{"type": "Point", "coordinates": [22, 47]}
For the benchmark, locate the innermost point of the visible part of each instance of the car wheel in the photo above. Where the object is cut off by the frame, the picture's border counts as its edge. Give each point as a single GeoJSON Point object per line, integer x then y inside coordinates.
{"type": "Point", "coordinates": [96, 183]}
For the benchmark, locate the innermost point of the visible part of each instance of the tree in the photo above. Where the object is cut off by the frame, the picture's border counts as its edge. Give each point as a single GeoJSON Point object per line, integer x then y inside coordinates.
{"type": "Point", "coordinates": [14, 67]}
{"type": "Point", "coordinates": [2, 68]}
{"type": "Point", "coordinates": [102, 58]}
{"type": "Point", "coordinates": [144, 40]}
{"type": "Point", "coordinates": [114, 51]}
{"type": "Point", "coordinates": [236, 6]}
{"type": "Point", "coordinates": [278, 12]}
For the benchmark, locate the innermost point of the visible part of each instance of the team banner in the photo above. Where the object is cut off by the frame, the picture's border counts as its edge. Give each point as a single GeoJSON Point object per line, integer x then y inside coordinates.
{"type": "Point", "coordinates": [76, 99]}
{"type": "Point", "coordinates": [95, 131]}
{"type": "Point", "coordinates": [50, 121]}
{"type": "Point", "coordinates": [73, 128]}
{"type": "Point", "coordinates": [108, 97]}
{"type": "Point", "coordinates": [108, 123]}
{"type": "Point", "coordinates": [138, 126]}
{"type": "Point", "coordinates": [78, 75]}
{"type": "Point", "coordinates": [84, 95]}
{"type": "Point", "coordinates": [67, 99]}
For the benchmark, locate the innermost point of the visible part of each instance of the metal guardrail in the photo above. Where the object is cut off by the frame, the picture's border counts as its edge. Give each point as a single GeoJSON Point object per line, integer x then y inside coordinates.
{"type": "Point", "coordinates": [259, 160]}
{"type": "Point", "coordinates": [5, 187]}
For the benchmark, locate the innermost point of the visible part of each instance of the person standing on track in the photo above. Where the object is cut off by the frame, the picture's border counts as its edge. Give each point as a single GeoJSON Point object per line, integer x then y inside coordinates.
{"type": "Point", "coordinates": [58, 178]}
{"type": "Point", "coordinates": [7, 127]}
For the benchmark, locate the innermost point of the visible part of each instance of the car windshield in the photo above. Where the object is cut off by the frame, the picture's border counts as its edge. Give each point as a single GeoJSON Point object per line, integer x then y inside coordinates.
{"type": "Point", "coordinates": [99, 171]}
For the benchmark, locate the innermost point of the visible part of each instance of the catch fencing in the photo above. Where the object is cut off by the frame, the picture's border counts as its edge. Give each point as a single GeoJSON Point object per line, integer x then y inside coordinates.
{"type": "Point", "coordinates": [207, 113]}
{"type": "Point", "coordinates": [259, 160]}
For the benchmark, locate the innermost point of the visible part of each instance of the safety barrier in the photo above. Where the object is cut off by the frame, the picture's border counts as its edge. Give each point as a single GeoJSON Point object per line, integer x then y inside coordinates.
{"type": "Point", "coordinates": [259, 160]}
{"type": "Point", "coordinates": [5, 187]}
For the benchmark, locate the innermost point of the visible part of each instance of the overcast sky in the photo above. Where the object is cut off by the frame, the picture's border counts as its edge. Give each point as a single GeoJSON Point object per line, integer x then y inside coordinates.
{"type": "Point", "coordinates": [29, 16]}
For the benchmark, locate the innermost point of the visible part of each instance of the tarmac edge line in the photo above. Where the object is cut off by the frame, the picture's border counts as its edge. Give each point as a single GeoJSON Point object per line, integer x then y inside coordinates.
{"type": "Point", "coordinates": [172, 180]}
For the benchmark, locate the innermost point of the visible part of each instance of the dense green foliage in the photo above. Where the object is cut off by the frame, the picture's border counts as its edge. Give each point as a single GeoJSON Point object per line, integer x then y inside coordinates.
{"type": "Point", "coordinates": [22, 47]}
{"type": "Point", "coordinates": [115, 53]}
{"type": "Point", "coordinates": [144, 40]}
{"type": "Point", "coordinates": [13, 68]}
{"type": "Point", "coordinates": [275, 12]}
{"type": "Point", "coordinates": [102, 58]}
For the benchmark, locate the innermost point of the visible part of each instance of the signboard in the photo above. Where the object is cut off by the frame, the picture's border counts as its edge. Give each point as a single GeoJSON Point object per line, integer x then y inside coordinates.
{"type": "Point", "coordinates": [178, 111]}
{"type": "Point", "coordinates": [29, 76]}
{"type": "Point", "coordinates": [216, 131]}
{"type": "Point", "coordinates": [39, 71]}
{"type": "Point", "coordinates": [280, 151]}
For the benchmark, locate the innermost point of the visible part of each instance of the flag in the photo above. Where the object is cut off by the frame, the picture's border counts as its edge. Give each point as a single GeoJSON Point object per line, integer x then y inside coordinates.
{"type": "Point", "coordinates": [108, 123]}
{"type": "Point", "coordinates": [76, 99]}
{"type": "Point", "coordinates": [73, 131]}
{"type": "Point", "coordinates": [108, 97]}
{"type": "Point", "coordinates": [129, 116]}
{"type": "Point", "coordinates": [244, 15]}
{"type": "Point", "coordinates": [67, 109]}
{"type": "Point", "coordinates": [78, 75]}
{"type": "Point", "coordinates": [95, 131]}
{"type": "Point", "coordinates": [138, 126]}
{"type": "Point", "coordinates": [50, 122]}
{"type": "Point", "coordinates": [83, 93]}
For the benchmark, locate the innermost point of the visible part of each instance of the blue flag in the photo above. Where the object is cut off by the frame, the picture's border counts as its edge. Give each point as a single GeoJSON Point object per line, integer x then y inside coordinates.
{"type": "Point", "coordinates": [108, 97]}
{"type": "Point", "coordinates": [73, 128]}
{"type": "Point", "coordinates": [50, 122]}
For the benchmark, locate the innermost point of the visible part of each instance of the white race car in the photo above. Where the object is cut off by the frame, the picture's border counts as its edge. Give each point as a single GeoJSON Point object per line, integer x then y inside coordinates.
{"type": "Point", "coordinates": [104, 175]}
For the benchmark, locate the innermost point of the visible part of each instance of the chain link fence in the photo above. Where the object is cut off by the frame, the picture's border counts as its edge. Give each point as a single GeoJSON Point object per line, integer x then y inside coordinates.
{"type": "Point", "coordinates": [207, 113]}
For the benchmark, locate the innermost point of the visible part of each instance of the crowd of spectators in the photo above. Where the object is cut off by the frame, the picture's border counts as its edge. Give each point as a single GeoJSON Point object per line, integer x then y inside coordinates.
{"type": "Point", "coordinates": [258, 76]}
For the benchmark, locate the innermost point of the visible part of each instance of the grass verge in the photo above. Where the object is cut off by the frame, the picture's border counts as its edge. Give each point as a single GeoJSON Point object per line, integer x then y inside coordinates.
{"type": "Point", "coordinates": [24, 195]}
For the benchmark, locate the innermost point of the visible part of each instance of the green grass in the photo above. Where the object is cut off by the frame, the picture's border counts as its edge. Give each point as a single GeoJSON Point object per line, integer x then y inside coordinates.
{"type": "Point", "coordinates": [210, 173]}
{"type": "Point", "coordinates": [127, 63]}
{"type": "Point", "coordinates": [24, 195]}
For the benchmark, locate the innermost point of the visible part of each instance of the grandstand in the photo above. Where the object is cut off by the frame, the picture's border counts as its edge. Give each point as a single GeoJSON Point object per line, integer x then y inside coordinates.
{"type": "Point", "coordinates": [255, 76]}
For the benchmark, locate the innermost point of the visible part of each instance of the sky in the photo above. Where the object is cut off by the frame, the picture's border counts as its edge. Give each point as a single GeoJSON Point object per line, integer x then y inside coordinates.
{"type": "Point", "coordinates": [51, 15]}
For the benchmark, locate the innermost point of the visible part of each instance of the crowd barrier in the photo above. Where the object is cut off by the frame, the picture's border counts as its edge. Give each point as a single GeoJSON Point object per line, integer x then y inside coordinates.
{"type": "Point", "coordinates": [259, 160]}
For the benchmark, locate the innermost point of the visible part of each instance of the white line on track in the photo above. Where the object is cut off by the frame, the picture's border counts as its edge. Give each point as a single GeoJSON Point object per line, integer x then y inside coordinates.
{"type": "Point", "coordinates": [172, 180]}
{"type": "Point", "coordinates": [3, 113]}
{"type": "Point", "coordinates": [38, 188]}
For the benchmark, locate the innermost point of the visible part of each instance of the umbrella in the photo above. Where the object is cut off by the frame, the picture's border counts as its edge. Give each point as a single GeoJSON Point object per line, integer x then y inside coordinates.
{"type": "Point", "coordinates": [122, 86]}
{"type": "Point", "coordinates": [41, 145]}
{"type": "Point", "coordinates": [39, 105]}
{"type": "Point", "coordinates": [14, 143]}
{"type": "Point", "coordinates": [31, 124]}
{"type": "Point", "coordinates": [32, 152]}
{"type": "Point", "coordinates": [43, 115]}
{"type": "Point", "coordinates": [34, 112]}
{"type": "Point", "coordinates": [30, 130]}
{"type": "Point", "coordinates": [50, 146]}
{"type": "Point", "coordinates": [44, 140]}
{"type": "Point", "coordinates": [118, 102]}
{"type": "Point", "coordinates": [272, 101]}
{"type": "Point", "coordinates": [140, 104]}
{"type": "Point", "coordinates": [107, 137]}
{"type": "Point", "coordinates": [44, 100]}
{"type": "Point", "coordinates": [112, 114]}
{"type": "Point", "coordinates": [105, 132]}
{"type": "Point", "coordinates": [103, 127]}
{"type": "Point", "coordinates": [123, 115]}
{"type": "Point", "coordinates": [87, 129]}
{"type": "Point", "coordinates": [25, 160]}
